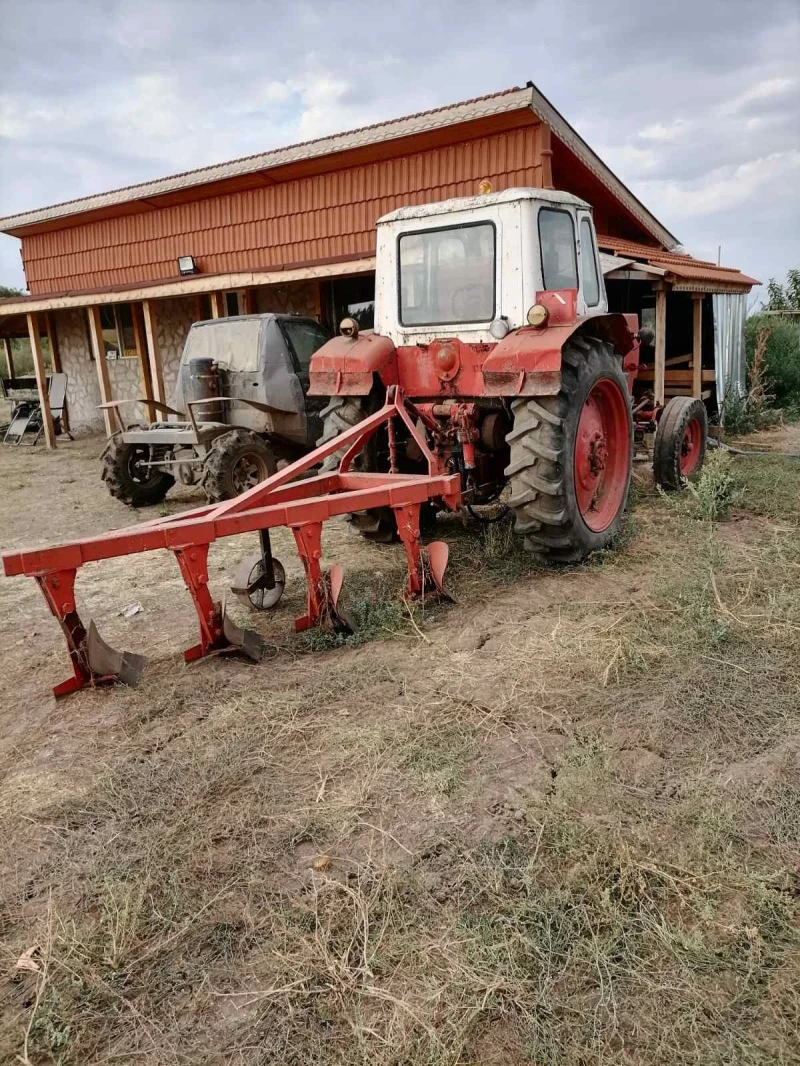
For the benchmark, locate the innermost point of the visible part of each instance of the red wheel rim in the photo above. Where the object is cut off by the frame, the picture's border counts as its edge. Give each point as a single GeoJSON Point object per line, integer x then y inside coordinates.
{"type": "Point", "coordinates": [602, 454]}
{"type": "Point", "coordinates": [691, 446]}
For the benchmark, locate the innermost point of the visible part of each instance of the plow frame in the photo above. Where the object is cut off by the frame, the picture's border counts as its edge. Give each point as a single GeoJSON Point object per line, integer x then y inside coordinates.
{"type": "Point", "coordinates": [287, 498]}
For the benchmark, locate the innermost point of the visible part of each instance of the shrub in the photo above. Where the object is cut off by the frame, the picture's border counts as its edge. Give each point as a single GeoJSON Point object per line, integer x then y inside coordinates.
{"type": "Point", "coordinates": [782, 356]}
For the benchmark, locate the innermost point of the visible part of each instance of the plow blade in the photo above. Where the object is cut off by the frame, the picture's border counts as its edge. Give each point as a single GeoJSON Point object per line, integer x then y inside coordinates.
{"type": "Point", "coordinates": [437, 555]}
{"type": "Point", "coordinates": [244, 641]}
{"type": "Point", "coordinates": [108, 664]}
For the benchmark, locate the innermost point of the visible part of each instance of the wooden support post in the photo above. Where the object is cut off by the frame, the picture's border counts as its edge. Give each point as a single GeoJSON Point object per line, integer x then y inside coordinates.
{"type": "Point", "coordinates": [697, 345]}
{"type": "Point", "coordinates": [545, 153]}
{"type": "Point", "coordinates": [101, 363]}
{"type": "Point", "coordinates": [661, 344]}
{"type": "Point", "coordinates": [144, 365]}
{"type": "Point", "coordinates": [50, 330]}
{"type": "Point", "coordinates": [9, 356]}
{"type": "Point", "coordinates": [153, 351]}
{"type": "Point", "coordinates": [41, 379]}
{"type": "Point", "coordinates": [245, 302]}
{"type": "Point", "coordinates": [56, 367]}
{"type": "Point", "coordinates": [217, 304]}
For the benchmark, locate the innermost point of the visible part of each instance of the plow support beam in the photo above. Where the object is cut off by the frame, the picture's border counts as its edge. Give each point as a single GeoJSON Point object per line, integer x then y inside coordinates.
{"type": "Point", "coordinates": [93, 661]}
{"type": "Point", "coordinates": [217, 633]}
{"type": "Point", "coordinates": [322, 590]}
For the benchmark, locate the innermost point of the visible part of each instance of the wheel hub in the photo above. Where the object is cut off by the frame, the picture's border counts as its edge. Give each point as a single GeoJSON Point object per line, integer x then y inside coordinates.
{"type": "Point", "coordinates": [602, 453]}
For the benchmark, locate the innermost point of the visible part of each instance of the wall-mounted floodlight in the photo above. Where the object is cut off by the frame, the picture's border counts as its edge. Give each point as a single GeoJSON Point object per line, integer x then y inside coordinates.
{"type": "Point", "coordinates": [186, 264]}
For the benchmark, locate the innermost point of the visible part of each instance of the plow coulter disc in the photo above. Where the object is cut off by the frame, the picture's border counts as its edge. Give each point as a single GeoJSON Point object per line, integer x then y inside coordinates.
{"type": "Point", "coordinates": [248, 583]}
{"type": "Point", "coordinates": [106, 663]}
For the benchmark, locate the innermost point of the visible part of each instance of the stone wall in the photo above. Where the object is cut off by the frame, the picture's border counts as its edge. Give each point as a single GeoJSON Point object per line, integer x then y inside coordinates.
{"type": "Point", "coordinates": [173, 320]}
{"type": "Point", "coordinates": [77, 362]}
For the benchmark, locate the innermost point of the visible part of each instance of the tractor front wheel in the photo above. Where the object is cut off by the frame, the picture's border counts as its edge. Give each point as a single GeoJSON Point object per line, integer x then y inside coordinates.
{"type": "Point", "coordinates": [130, 479]}
{"type": "Point", "coordinates": [572, 456]}
{"type": "Point", "coordinates": [236, 461]}
{"type": "Point", "coordinates": [680, 444]}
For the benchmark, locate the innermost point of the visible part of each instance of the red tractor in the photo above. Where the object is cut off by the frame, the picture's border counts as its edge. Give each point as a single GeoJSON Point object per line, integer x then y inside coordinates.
{"type": "Point", "coordinates": [491, 317]}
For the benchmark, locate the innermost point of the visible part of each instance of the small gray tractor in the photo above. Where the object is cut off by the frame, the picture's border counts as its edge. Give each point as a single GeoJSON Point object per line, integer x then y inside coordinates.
{"type": "Point", "coordinates": [240, 406]}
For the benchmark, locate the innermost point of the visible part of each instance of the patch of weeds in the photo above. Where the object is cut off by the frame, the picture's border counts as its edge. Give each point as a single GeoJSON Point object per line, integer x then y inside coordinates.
{"type": "Point", "coordinates": [716, 488]}
{"type": "Point", "coordinates": [371, 619]}
{"type": "Point", "coordinates": [770, 486]}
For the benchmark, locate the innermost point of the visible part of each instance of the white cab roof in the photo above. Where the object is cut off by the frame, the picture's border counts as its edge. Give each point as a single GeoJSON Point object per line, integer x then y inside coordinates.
{"type": "Point", "coordinates": [472, 203]}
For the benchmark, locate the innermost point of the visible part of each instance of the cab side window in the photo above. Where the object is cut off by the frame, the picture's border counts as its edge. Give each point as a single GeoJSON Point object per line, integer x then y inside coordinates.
{"type": "Point", "coordinates": [591, 283]}
{"type": "Point", "coordinates": [304, 338]}
{"type": "Point", "coordinates": [557, 243]}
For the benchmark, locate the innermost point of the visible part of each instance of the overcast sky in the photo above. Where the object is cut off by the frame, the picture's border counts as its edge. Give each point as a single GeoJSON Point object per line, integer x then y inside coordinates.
{"type": "Point", "coordinates": [695, 104]}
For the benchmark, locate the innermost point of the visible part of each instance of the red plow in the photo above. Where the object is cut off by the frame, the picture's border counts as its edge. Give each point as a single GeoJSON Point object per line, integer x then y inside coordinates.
{"type": "Point", "coordinates": [287, 498]}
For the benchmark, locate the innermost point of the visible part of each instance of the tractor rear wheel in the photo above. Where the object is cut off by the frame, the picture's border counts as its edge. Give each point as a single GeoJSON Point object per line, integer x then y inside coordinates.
{"type": "Point", "coordinates": [680, 444]}
{"type": "Point", "coordinates": [572, 456]}
{"type": "Point", "coordinates": [129, 479]}
{"type": "Point", "coordinates": [236, 461]}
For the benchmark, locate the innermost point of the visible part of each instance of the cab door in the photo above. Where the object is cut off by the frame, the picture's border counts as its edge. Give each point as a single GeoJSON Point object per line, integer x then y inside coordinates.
{"type": "Point", "coordinates": [593, 290]}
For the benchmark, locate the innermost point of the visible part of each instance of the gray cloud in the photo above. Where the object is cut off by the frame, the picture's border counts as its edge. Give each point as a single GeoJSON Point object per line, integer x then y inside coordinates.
{"type": "Point", "coordinates": [696, 105]}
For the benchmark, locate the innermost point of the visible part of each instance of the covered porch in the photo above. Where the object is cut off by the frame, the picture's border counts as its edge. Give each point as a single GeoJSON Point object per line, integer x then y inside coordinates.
{"type": "Point", "coordinates": [125, 343]}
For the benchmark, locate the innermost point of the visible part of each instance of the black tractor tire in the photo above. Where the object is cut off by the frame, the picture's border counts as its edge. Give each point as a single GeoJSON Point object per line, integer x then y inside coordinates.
{"type": "Point", "coordinates": [236, 462]}
{"type": "Point", "coordinates": [680, 445]}
{"type": "Point", "coordinates": [126, 480]}
{"type": "Point", "coordinates": [342, 413]}
{"type": "Point", "coordinates": [543, 440]}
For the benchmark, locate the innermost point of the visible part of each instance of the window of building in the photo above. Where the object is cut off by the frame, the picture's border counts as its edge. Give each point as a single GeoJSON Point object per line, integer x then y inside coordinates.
{"type": "Point", "coordinates": [447, 275]}
{"type": "Point", "coordinates": [591, 283]}
{"type": "Point", "coordinates": [119, 336]}
{"type": "Point", "coordinates": [304, 338]}
{"type": "Point", "coordinates": [232, 304]}
{"type": "Point", "coordinates": [557, 243]}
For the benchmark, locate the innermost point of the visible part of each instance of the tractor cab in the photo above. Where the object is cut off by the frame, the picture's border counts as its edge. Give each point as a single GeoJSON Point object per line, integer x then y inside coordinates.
{"type": "Point", "coordinates": [472, 267]}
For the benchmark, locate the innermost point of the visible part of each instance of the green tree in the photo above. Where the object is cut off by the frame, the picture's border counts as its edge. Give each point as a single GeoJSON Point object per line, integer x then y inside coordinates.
{"type": "Point", "coordinates": [784, 297]}
{"type": "Point", "coordinates": [6, 290]}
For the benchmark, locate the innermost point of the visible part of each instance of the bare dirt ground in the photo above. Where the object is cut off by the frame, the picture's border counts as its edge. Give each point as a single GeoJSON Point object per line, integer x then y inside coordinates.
{"type": "Point", "coordinates": [556, 823]}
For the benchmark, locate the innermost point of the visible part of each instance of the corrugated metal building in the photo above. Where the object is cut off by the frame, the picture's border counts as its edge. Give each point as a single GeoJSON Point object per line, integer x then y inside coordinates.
{"type": "Point", "coordinates": [293, 230]}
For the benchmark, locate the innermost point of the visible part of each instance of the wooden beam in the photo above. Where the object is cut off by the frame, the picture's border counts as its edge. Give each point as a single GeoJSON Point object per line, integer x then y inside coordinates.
{"type": "Point", "coordinates": [140, 341]}
{"type": "Point", "coordinates": [50, 330]}
{"type": "Point", "coordinates": [545, 153]}
{"type": "Point", "coordinates": [101, 363]}
{"type": "Point", "coordinates": [245, 301]}
{"type": "Point", "coordinates": [661, 344]}
{"type": "Point", "coordinates": [677, 377]}
{"type": "Point", "coordinates": [697, 345]}
{"type": "Point", "coordinates": [153, 351]}
{"type": "Point", "coordinates": [9, 356]}
{"type": "Point", "coordinates": [217, 304]}
{"type": "Point", "coordinates": [41, 380]}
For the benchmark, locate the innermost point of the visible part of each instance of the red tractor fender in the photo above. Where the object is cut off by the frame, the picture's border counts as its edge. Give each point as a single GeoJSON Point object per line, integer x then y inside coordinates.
{"type": "Point", "coordinates": [345, 366]}
{"type": "Point", "coordinates": [528, 361]}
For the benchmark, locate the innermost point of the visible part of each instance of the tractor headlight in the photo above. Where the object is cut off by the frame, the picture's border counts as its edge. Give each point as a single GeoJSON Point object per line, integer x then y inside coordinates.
{"type": "Point", "coordinates": [348, 327]}
{"type": "Point", "coordinates": [499, 328]}
{"type": "Point", "coordinates": [538, 315]}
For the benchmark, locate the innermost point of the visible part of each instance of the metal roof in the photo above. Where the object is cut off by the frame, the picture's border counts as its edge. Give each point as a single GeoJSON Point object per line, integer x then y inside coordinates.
{"type": "Point", "coordinates": [468, 203]}
{"type": "Point", "coordinates": [437, 118]}
{"type": "Point", "coordinates": [687, 274]}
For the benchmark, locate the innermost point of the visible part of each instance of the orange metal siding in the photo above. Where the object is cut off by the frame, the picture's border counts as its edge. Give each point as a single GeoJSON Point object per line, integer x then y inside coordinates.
{"type": "Point", "coordinates": [300, 220]}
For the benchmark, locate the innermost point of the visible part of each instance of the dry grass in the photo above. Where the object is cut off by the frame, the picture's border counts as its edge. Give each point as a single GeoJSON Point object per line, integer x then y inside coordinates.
{"type": "Point", "coordinates": [554, 824]}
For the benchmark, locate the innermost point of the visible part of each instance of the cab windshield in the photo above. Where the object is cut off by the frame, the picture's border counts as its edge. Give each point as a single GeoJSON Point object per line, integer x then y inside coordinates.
{"type": "Point", "coordinates": [231, 342]}
{"type": "Point", "coordinates": [447, 275]}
